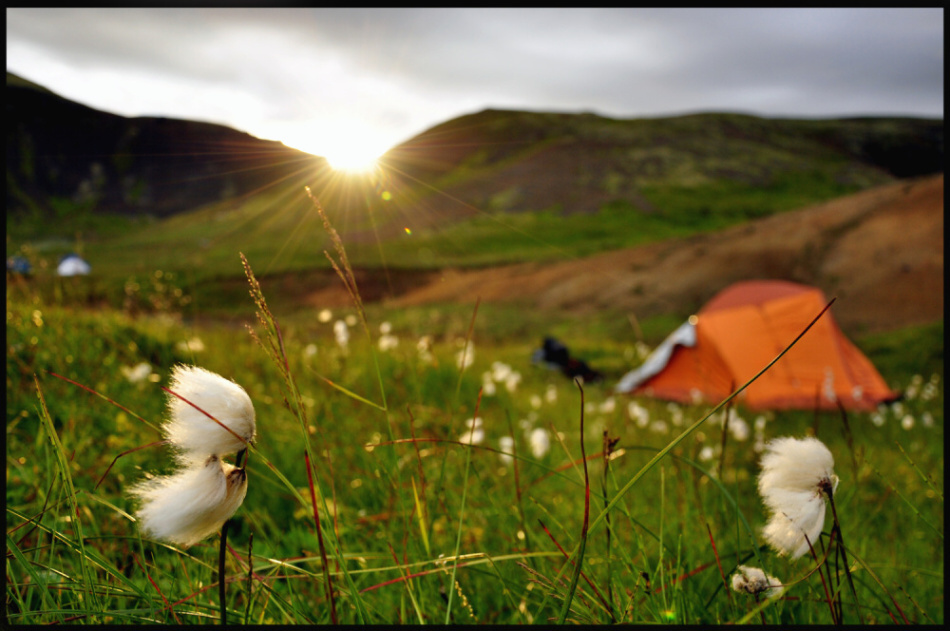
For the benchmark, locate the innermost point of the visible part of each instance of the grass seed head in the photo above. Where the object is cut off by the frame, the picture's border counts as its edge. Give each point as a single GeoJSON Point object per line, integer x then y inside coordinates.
{"type": "Point", "coordinates": [796, 475]}
{"type": "Point", "coordinates": [752, 580]}
{"type": "Point", "coordinates": [190, 430]}
{"type": "Point", "coordinates": [187, 506]}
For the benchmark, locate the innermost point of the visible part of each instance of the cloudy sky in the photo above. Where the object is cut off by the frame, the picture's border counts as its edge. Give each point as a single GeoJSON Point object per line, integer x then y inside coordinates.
{"type": "Point", "coordinates": [350, 83]}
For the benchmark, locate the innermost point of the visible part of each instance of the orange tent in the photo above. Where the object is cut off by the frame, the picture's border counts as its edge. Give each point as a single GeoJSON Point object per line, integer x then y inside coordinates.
{"type": "Point", "coordinates": [739, 332]}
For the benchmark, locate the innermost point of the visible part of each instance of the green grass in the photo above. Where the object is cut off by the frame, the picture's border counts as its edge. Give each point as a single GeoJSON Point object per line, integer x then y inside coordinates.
{"type": "Point", "coordinates": [281, 231]}
{"type": "Point", "coordinates": [393, 511]}
{"type": "Point", "coordinates": [494, 238]}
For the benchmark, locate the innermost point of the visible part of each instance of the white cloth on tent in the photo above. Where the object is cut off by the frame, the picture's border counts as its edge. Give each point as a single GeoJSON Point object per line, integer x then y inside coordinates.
{"type": "Point", "coordinates": [685, 335]}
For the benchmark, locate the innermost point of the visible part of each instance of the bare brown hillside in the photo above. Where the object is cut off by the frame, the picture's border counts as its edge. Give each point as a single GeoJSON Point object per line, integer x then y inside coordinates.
{"type": "Point", "coordinates": [880, 252]}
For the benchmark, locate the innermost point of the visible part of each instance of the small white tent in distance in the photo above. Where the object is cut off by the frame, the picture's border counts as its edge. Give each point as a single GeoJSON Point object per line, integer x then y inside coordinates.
{"type": "Point", "coordinates": [73, 265]}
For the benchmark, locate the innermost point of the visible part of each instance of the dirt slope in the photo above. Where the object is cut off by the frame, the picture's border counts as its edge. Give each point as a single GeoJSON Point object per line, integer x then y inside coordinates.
{"type": "Point", "coordinates": [880, 252]}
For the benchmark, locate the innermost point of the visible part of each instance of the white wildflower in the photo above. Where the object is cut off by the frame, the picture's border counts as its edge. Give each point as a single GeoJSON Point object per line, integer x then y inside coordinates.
{"type": "Point", "coordinates": [191, 504]}
{"type": "Point", "coordinates": [550, 393]}
{"type": "Point", "coordinates": [388, 342]}
{"type": "Point", "coordinates": [706, 453]}
{"type": "Point", "coordinates": [676, 414]}
{"type": "Point", "coordinates": [310, 350]}
{"type": "Point", "coordinates": [385, 328]}
{"type": "Point", "coordinates": [465, 357]}
{"type": "Point", "coordinates": [659, 427]}
{"type": "Point", "coordinates": [350, 320]}
{"type": "Point", "coordinates": [796, 474]}
{"type": "Point", "coordinates": [473, 434]}
{"type": "Point", "coordinates": [526, 424]}
{"type": "Point", "coordinates": [424, 346]}
{"type": "Point", "coordinates": [342, 334]}
{"type": "Point", "coordinates": [500, 371]}
{"type": "Point", "coordinates": [877, 418]}
{"type": "Point", "coordinates": [512, 381]}
{"type": "Point", "coordinates": [929, 391]}
{"type": "Point", "coordinates": [535, 401]}
{"type": "Point", "coordinates": [190, 429]}
{"type": "Point", "coordinates": [194, 345]}
{"type": "Point", "coordinates": [324, 316]}
{"type": "Point", "coordinates": [539, 441]}
{"type": "Point", "coordinates": [639, 414]}
{"type": "Point", "coordinates": [608, 406]}
{"type": "Point", "coordinates": [828, 385]}
{"type": "Point", "coordinates": [507, 446]}
{"type": "Point", "coordinates": [137, 373]}
{"type": "Point", "coordinates": [927, 419]}
{"type": "Point", "coordinates": [907, 422]}
{"type": "Point", "coordinates": [752, 580]}
{"type": "Point", "coordinates": [857, 392]}
{"type": "Point", "coordinates": [739, 429]}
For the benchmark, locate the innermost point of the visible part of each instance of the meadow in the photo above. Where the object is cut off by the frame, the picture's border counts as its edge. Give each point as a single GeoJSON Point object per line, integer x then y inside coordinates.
{"type": "Point", "coordinates": [376, 497]}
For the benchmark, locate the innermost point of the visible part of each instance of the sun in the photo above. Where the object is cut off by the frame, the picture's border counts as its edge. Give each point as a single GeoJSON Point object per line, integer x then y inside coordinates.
{"type": "Point", "coordinates": [346, 144]}
{"type": "Point", "coordinates": [352, 159]}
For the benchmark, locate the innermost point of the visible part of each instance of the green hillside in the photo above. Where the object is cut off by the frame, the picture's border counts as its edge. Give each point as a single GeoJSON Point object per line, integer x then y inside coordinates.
{"type": "Point", "coordinates": [487, 188]}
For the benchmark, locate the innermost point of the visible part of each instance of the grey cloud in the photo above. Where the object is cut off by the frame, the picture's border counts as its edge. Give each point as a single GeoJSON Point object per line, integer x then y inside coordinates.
{"type": "Point", "coordinates": [622, 62]}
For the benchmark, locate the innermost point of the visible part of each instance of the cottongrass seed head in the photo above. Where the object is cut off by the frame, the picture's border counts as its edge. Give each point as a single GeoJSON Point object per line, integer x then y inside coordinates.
{"type": "Point", "coordinates": [752, 580]}
{"type": "Point", "coordinates": [190, 430]}
{"type": "Point", "coordinates": [187, 506]}
{"type": "Point", "coordinates": [539, 441]}
{"type": "Point", "coordinates": [796, 475]}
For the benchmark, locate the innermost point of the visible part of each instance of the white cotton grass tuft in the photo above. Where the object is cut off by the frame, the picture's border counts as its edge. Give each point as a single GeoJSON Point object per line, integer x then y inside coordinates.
{"type": "Point", "coordinates": [465, 357]}
{"type": "Point", "coordinates": [796, 475]}
{"type": "Point", "coordinates": [342, 334]}
{"type": "Point", "coordinates": [539, 440]}
{"type": "Point", "coordinates": [190, 429]}
{"type": "Point", "coordinates": [506, 446]}
{"type": "Point", "coordinates": [387, 342]}
{"type": "Point", "coordinates": [137, 373]}
{"type": "Point", "coordinates": [474, 434]}
{"type": "Point", "coordinates": [187, 506]}
{"type": "Point", "coordinates": [752, 580]}
{"type": "Point", "coordinates": [512, 381]}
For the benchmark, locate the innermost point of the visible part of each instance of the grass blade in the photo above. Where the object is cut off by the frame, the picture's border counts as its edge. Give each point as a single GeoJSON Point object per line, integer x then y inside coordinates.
{"type": "Point", "coordinates": [45, 595]}
{"type": "Point", "coordinates": [70, 494]}
{"type": "Point", "coordinates": [579, 560]}
{"type": "Point", "coordinates": [458, 536]}
{"type": "Point", "coordinates": [348, 393]}
{"type": "Point", "coordinates": [323, 553]}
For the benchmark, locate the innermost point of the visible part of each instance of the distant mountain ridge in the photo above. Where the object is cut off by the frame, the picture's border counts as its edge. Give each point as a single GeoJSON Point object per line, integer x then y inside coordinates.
{"type": "Point", "coordinates": [62, 153]}
{"type": "Point", "coordinates": [58, 149]}
{"type": "Point", "coordinates": [510, 160]}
